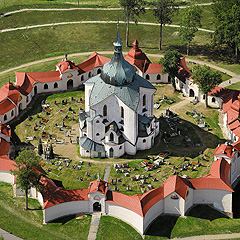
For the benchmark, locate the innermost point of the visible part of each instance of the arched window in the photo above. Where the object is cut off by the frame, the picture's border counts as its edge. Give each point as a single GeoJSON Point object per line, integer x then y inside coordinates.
{"type": "Point", "coordinates": [111, 137]}
{"type": "Point", "coordinates": [55, 85]}
{"type": "Point", "coordinates": [45, 86]}
{"type": "Point", "coordinates": [27, 99]}
{"type": "Point", "coordinates": [122, 112]}
{"type": "Point", "coordinates": [97, 134]}
{"type": "Point", "coordinates": [158, 77]}
{"type": "Point", "coordinates": [111, 153]}
{"type": "Point", "coordinates": [144, 140]}
{"type": "Point", "coordinates": [144, 100]}
{"type": "Point", "coordinates": [105, 110]}
{"type": "Point", "coordinates": [213, 100]}
{"type": "Point", "coordinates": [35, 90]}
{"type": "Point", "coordinates": [12, 113]}
{"type": "Point", "coordinates": [99, 71]}
{"type": "Point", "coordinates": [5, 117]}
{"type": "Point", "coordinates": [89, 74]}
{"type": "Point", "coordinates": [147, 77]}
{"type": "Point", "coordinates": [82, 77]}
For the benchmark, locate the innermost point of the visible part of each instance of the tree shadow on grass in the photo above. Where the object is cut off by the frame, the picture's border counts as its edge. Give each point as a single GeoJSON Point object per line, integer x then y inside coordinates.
{"type": "Point", "coordinates": [64, 219]}
{"type": "Point", "coordinates": [162, 226]}
{"type": "Point", "coordinates": [205, 212]}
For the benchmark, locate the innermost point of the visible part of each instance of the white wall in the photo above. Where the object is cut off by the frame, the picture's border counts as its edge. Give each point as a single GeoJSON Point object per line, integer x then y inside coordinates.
{"type": "Point", "coordinates": [174, 206]}
{"type": "Point", "coordinates": [65, 209]}
{"type": "Point", "coordinates": [6, 176]}
{"type": "Point", "coordinates": [219, 198]}
{"type": "Point", "coordinates": [126, 215]}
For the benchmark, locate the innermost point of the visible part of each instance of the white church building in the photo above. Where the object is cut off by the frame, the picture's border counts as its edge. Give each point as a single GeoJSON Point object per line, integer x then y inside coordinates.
{"type": "Point", "coordinates": [118, 116]}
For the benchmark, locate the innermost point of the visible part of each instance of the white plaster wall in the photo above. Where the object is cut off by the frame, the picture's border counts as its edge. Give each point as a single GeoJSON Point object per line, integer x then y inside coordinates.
{"type": "Point", "coordinates": [235, 168]}
{"type": "Point", "coordinates": [145, 145]}
{"type": "Point", "coordinates": [153, 78]}
{"type": "Point", "coordinates": [130, 149]}
{"type": "Point", "coordinates": [219, 198]}
{"type": "Point", "coordinates": [125, 215]}
{"type": "Point", "coordinates": [149, 101]}
{"type": "Point", "coordinates": [6, 176]}
{"type": "Point", "coordinates": [102, 197]}
{"type": "Point", "coordinates": [217, 104]}
{"type": "Point", "coordinates": [156, 210]}
{"type": "Point", "coordinates": [40, 198]}
{"type": "Point", "coordinates": [189, 199]}
{"type": "Point", "coordinates": [9, 115]}
{"type": "Point", "coordinates": [65, 209]}
{"type": "Point", "coordinates": [118, 150]}
{"type": "Point", "coordinates": [174, 206]}
{"type": "Point", "coordinates": [98, 127]}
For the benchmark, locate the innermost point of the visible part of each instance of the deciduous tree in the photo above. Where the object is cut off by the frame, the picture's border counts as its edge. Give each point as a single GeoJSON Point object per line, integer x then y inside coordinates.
{"type": "Point", "coordinates": [190, 21]}
{"type": "Point", "coordinates": [227, 23]}
{"type": "Point", "coordinates": [132, 10]}
{"type": "Point", "coordinates": [170, 62]}
{"type": "Point", "coordinates": [28, 176]}
{"type": "Point", "coordinates": [163, 11]}
{"type": "Point", "coordinates": [206, 78]}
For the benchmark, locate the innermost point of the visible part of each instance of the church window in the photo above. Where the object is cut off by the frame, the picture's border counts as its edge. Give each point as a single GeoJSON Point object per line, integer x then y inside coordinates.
{"type": "Point", "coordinates": [55, 85]}
{"type": "Point", "coordinates": [5, 117]}
{"type": "Point", "coordinates": [27, 99]}
{"type": "Point", "coordinates": [89, 74]}
{"type": "Point", "coordinates": [120, 147]}
{"type": "Point", "coordinates": [213, 100]}
{"type": "Point", "coordinates": [203, 96]}
{"type": "Point", "coordinates": [122, 112]}
{"type": "Point", "coordinates": [99, 71]}
{"type": "Point", "coordinates": [147, 77]}
{"type": "Point", "coordinates": [105, 110]}
{"type": "Point", "coordinates": [158, 77]}
{"type": "Point", "coordinates": [144, 140]}
{"type": "Point", "coordinates": [144, 100]}
{"type": "Point", "coordinates": [97, 121]}
{"type": "Point", "coordinates": [97, 134]}
{"type": "Point", "coordinates": [45, 86]}
{"type": "Point", "coordinates": [12, 113]}
{"type": "Point", "coordinates": [82, 77]}
{"type": "Point", "coordinates": [111, 137]}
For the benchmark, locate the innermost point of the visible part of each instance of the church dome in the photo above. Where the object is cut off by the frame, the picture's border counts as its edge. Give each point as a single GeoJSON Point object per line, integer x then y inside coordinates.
{"type": "Point", "coordinates": [118, 71]}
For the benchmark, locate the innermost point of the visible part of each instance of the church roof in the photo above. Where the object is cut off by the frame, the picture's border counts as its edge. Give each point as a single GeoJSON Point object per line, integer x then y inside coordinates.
{"type": "Point", "coordinates": [128, 94]}
{"type": "Point", "coordinates": [88, 144]}
{"type": "Point", "coordinates": [65, 65]}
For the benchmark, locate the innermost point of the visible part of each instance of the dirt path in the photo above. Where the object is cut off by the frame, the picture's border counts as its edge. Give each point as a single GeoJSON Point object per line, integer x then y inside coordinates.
{"type": "Point", "coordinates": [71, 9]}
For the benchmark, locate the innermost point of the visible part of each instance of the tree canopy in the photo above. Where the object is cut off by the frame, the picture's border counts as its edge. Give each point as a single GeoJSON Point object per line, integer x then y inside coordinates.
{"type": "Point", "coordinates": [163, 11]}
{"type": "Point", "coordinates": [206, 78]}
{"type": "Point", "coordinates": [132, 9]}
{"type": "Point", "coordinates": [170, 62]}
{"type": "Point", "coordinates": [227, 23]}
{"type": "Point", "coordinates": [190, 21]}
{"type": "Point", "coordinates": [28, 176]}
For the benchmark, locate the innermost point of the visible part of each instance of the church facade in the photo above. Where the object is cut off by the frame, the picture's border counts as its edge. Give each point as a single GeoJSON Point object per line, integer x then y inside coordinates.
{"type": "Point", "coordinates": [118, 116]}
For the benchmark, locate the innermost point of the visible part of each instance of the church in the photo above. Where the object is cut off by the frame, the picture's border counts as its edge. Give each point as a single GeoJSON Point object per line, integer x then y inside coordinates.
{"type": "Point", "coordinates": [118, 116]}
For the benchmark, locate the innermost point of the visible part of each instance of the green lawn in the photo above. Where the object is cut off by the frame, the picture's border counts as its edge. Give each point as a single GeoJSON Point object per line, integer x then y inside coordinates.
{"type": "Point", "coordinates": [28, 224]}
{"type": "Point", "coordinates": [235, 86]}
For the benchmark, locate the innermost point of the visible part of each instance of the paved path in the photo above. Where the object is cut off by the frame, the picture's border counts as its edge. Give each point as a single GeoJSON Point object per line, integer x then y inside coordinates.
{"type": "Point", "coordinates": [90, 22]}
{"type": "Point", "coordinates": [72, 9]}
{"type": "Point", "coordinates": [8, 236]}
{"type": "Point", "coordinates": [94, 225]}
{"type": "Point", "coordinates": [107, 173]}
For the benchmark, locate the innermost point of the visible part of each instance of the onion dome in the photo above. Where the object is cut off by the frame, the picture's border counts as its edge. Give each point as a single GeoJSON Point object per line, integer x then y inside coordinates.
{"type": "Point", "coordinates": [118, 71]}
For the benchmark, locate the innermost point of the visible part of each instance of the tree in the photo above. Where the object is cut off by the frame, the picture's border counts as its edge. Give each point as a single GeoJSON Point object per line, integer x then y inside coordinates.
{"type": "Point", "coordinates": [132, 9]}
{"type": "Point", "coordinates": [170, 62]}
{"type": "Point", "coordinates": [206, 78]}
{"type": "Point", "coordinates": [227, 24]}
{"type": "Point", "coordinates": [51, 154]}
{"type": "Point", "coordinates": [26, 165]}
{"type": "Point", "coordinates": [163, 11]}
{"type": "Point", "coordinates": [40, 147]}
{"type": "Point", "coordinates": [190, 21]}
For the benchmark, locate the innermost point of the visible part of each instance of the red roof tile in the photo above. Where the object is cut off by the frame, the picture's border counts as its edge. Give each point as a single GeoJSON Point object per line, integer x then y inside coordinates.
{"type": "Point", "coordinates": [93, 61]}
{"type": "Point", "coordinates": [138, 58]}
{"type": "Point", "coordinates": [5, 129]}
{"type": "Point", "coordinates": [224, 149]}
{"type": "Point", "coordinates": [43, 76]}
{"type": "Point", "coordinates": [66, 65]}
{"type": "Point", "coordinates": [100, 186]}
{"type": "Point", "coordinates": [23, 82]}
{"type": "Point", "coordinates": [6, 164]}
{"type": "Point", "coordinates": [154, 68]}
{"type": "Point", "coordinates": [4, 147]}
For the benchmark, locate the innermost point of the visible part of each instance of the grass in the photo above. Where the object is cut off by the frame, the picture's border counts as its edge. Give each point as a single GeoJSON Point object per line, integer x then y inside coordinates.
{"type": "Point", "coordinates": [110, 226]}
{"type": "Point", "coordinates": [235, 86]}
{"type": "Point", "coordinates": [28, 224]}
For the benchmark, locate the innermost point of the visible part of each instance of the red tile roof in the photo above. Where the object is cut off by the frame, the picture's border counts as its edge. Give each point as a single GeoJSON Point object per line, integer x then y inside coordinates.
{"type": "Point", "coordinates": [93, 61]}
{"type": "Point", "coordinates": [100, 186]}
{"type": "Point", "coordinates": [138, 58]}
{"type": "Point", "coordinates": [6, 164]}
{"type": "Point", "coordinates": [9, 97]}
{"type": "Point", "coordinates": [183, 71]}
{"type": "Point", "coordinates": [5, 129]}
{"type": "Point", "coordinates": [4, 147]}
{"type": "Point", "coordinates": [53, 195]}
{"type": "Point", "coordinates": [236, 145]}
{"type": "Point", "coordinates": [154, 68]}
{"type": "Point", "coordinates": [23, 82]}
{"type": "Point", "coordinates": [66, 65]}
{"type": "Point", "coordinates": [43, 76]}
{"type": "Point", "coordinates": [224, 149]}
